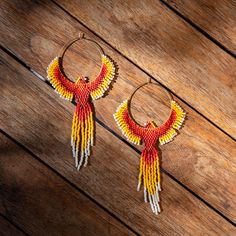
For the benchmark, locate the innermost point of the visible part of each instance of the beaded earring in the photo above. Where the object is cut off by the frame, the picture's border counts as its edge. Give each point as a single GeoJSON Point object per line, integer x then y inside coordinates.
{"type": "Point", "coordinates": [149, 135]}
{"type": "Point", "coordinates": [83, 92]}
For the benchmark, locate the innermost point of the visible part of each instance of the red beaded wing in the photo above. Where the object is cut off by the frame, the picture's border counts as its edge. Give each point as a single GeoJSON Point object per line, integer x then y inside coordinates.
{"type": "Point", "coordinates": [130, 129]}
{"type": "Point", "coordinates": [101, 84]}
{"type": "Point", "coordinates": [61, 84]}
{"type": "Point", "coordinates": [168, 130]}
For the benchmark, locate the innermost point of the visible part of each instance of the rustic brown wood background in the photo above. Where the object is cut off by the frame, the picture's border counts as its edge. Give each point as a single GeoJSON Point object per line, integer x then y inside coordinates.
{"type": "Point", "coordinates": [187, 46]}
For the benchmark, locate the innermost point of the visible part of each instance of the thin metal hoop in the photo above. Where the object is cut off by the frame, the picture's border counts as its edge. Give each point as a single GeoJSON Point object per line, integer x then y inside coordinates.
{"type": "Point", "coordinates": [81, 37]}
{"type": "Point", "coordinates": [144, 84]}
{"type": "Point", "coordinates": [66, 47]}
{"type": "Point", "coordinates": [150, 82]}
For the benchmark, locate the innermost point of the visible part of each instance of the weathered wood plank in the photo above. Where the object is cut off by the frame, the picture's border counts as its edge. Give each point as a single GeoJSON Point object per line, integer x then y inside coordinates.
{"type": "Point", "coordinates": [217, 18]}
{"type": "Point", "coordinates": [33, 115]}
{"type": "Point", "coordinates": [7, 229]}
{"type": "Point", "coordinates": [162, 44]}
{"type": "Point", "coordinates": [202, 157]}
{"type": "Point", "coordinates": [42, 203]}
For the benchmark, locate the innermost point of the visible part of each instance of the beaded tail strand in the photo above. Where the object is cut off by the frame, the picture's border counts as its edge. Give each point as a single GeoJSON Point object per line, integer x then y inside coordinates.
{"type": "Point", "coordinates": [150, 176]}
{"type": "Point", "coordinates": [82, 134]}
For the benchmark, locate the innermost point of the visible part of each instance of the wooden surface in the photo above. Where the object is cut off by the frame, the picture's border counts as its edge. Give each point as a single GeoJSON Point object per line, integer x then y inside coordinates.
{"type": "Point", "coordinates": [123, 200]}
{"type": "Point", "coordinates": [164, 46]}
{"type": "Point", "coordinates": [217, 18]}
{"type": "Point", "coordinates": [8, 229]}
{"type": "Point", "coordinates": [198, 194]}
{"type": "Point", "coordinates": [42, 204]}
{"type": "Point", "coordinates": [203, 161]}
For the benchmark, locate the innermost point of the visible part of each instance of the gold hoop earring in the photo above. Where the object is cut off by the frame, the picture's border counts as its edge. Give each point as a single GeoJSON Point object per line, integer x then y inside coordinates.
{"type": "Point", "coordinates": [82, 135]}
{"type": "Point", "coordinates": [149, 135]}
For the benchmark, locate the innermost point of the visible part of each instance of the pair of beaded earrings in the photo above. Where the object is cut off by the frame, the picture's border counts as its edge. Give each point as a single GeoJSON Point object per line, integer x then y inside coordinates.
{"type": "Point", "coordinates": [82, 134]}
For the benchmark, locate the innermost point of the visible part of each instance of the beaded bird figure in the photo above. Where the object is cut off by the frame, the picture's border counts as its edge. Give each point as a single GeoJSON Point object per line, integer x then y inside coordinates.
{"type": "Point", "coordinates": [150, 135]}
{"type": "Point", "coordinates": [82, 135]}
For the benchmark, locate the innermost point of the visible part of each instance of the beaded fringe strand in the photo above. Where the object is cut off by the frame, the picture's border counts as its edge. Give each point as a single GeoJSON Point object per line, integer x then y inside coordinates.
{"type": "Point", "coordinates": [82, 135]}
{"type": "Point", "coordinates": [149, 173]}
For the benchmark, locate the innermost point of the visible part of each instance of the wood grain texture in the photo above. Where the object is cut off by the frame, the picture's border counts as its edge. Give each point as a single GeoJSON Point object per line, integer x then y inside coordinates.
{"type": "Point", "coordinates": [41, 203]}
{"type": "Point", "coordinates": [7, 229]}
{"type": "Point", "coordinates": [217, 18]}
{"type": "Point", "coordinates": [202, 157]}
{"type": "Point", "coordinates": [33, 115]}
{"type": "Point", "coordinates": [170, 50]}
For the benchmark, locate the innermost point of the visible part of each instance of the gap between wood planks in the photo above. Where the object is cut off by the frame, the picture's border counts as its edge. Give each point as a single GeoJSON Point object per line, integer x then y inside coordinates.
{"type": "Point", "coordinates": [147, 73]}
{"type": "Point", "coordinates": [199, 29]}
{"type": "Point", "coordinates": [13, 223]}
{"type": "Point", "coordinates": [38, 76]}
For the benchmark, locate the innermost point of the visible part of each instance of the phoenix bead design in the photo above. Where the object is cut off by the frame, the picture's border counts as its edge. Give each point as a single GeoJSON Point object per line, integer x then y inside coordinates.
{"type": "Point", "coordinates": [150, 135]}
{"type": "Point", "coordinates": [83, 92]}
